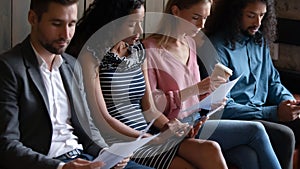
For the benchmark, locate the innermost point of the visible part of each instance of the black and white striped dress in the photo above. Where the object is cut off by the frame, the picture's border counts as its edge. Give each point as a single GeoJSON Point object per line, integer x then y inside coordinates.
{"type": "Point", "coordinates": [123, 85]}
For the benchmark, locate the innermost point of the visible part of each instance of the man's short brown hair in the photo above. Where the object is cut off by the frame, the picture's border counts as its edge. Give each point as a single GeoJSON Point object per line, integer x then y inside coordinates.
{"type": "Point", "coordinates": [41, 6]}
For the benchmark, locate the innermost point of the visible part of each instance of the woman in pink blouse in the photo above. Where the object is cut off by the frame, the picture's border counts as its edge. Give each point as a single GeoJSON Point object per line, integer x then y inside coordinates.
{"type": "Point", "coordinates": [172, 76]}
{"type": "Point", "coordinates": [172, 72]}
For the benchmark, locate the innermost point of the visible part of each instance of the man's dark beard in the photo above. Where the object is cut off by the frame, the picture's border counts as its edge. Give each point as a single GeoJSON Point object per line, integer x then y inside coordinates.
{"type": "Point", "coordinates": [53, 50]}
{"type": "Point", "coordinates": [257, 36]}
{"type": "Point", "coordinates": [246, 33]}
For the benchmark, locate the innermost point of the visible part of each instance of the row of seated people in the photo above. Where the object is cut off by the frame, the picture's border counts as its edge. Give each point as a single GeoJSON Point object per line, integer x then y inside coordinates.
{"type": "Point", "coordinates": [129, 83]}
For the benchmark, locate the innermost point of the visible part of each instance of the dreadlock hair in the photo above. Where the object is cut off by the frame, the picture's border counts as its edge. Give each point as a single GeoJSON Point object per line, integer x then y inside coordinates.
{"type": "Point", "coordinates": [226, 16]}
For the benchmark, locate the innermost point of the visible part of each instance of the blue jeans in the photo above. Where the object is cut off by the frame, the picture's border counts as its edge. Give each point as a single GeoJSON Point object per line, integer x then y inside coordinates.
{"type": "Point", "coordinates": [134, 165]}
{"type": "Point", "coordinates": [238, 140]}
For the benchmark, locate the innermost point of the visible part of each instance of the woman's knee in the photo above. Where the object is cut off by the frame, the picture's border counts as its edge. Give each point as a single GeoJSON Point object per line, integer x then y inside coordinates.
{"type": "Point", "coordinates": [258, 126]}
{"type": "Point", "coordinates": [198, 146]}
{"type": "Point", "coordinates": [258, 129]}
{"type": "Point", "coordinates": [212, 147]}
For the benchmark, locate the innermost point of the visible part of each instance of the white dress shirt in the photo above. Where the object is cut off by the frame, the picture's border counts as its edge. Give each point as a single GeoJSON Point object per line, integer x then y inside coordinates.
{"type": "Point", "coordinates": [63, 139]}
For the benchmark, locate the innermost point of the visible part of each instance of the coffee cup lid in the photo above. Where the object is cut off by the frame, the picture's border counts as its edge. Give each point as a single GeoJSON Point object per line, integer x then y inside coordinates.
{"type": "Point", "coordinates": [226, 69]}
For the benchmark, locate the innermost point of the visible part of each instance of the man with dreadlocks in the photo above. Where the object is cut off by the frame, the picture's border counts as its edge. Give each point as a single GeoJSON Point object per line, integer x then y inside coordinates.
{"type": "Point", "coordinates": [241, 31]}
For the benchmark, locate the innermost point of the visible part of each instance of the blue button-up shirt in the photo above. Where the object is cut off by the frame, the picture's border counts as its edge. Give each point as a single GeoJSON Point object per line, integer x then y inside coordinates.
{"type": "Point", "coordinates": [259, 91]}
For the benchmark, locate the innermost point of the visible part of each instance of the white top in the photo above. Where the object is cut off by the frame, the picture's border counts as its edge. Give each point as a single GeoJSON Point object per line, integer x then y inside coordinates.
{"type": "Point", "coordinates": [63, 139]}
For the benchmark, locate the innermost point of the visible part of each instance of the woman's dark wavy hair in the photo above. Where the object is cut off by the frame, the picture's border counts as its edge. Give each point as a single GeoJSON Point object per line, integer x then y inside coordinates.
{"type": "Point", "coordinates": [98, 14]}
{"type": "Point", "coordinates": [227, 15]}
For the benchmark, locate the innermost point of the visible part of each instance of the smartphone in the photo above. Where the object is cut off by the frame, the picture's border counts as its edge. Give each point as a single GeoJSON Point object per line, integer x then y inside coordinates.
{"type": "Point", "coordinates": [198, 120]}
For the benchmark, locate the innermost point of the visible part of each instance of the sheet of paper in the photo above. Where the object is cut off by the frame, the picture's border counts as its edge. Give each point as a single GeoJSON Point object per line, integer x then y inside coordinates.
{"type": "Point", "coordinates": [211, 112]}
{"type": "Point", "coordinates": [118, 151]}
{"type": "Point", "coordinates": [146, 129]}
{"type": "Point", "coordinates": [109, 159]}
{"type": "Point", "coordinates": [215, 97]}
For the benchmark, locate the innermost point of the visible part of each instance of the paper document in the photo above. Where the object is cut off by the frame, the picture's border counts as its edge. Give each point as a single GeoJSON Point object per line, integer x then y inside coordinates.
{"type": "Point", "coordinates": [215, 97]}
{"type": "Point", "coordinates": [118, 151]}
{"type": "Point", "coordinates": [211, 112]}
{"type": "Point", "coordinates": [146, 129]}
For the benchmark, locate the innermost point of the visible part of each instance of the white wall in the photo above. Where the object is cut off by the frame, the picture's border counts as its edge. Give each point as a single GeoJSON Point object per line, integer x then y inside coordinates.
{"type": "Point", "coordinates": [14, 25]}
{"type": "Point", "coordinates": [20, 25]}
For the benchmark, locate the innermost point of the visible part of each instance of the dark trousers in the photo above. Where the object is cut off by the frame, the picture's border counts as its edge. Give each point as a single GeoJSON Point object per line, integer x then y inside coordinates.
{"type": "Point", "coordinates": [283, 142]}
{"type": "Point", "coordinates": [82, 156]}
{"type": "Point", "coordinates": [295, 126]}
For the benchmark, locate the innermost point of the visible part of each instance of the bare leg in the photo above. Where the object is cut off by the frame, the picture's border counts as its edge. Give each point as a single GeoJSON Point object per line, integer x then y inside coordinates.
{"type": "Point", "coordinates": [202, 154]}
{"type": "Point", "coordinates": [180, 163]}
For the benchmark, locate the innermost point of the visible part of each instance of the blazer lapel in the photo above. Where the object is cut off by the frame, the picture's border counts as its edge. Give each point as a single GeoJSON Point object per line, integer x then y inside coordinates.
{"type": "Point", "coordinates": [66, 73]}
{"type": "Point", "coordinates": [32, 65]}
{"type": "Point", "coordinates": [75, 92]}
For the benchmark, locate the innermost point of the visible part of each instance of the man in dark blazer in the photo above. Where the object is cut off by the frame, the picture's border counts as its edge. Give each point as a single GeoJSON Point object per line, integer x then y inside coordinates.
{"type": "Point", "coordinates": [25, 124]}
{"type": "Point", "coordinates": [28, 123]}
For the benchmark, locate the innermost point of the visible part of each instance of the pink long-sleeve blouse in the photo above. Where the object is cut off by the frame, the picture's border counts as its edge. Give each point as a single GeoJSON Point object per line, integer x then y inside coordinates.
{"type": "Point", "coordinates": [167, 76]}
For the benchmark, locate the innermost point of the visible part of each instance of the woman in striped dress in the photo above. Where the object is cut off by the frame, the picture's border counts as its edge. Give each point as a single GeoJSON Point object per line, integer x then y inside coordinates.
{"type": "Point", "coordinates": [123, 86]}
{"type": "Point", "coordinates": [115, 92]}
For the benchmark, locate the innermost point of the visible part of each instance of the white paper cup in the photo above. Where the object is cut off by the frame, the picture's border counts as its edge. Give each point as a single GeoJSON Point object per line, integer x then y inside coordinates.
{"type": "Point", "coordinates": [222, 71]}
